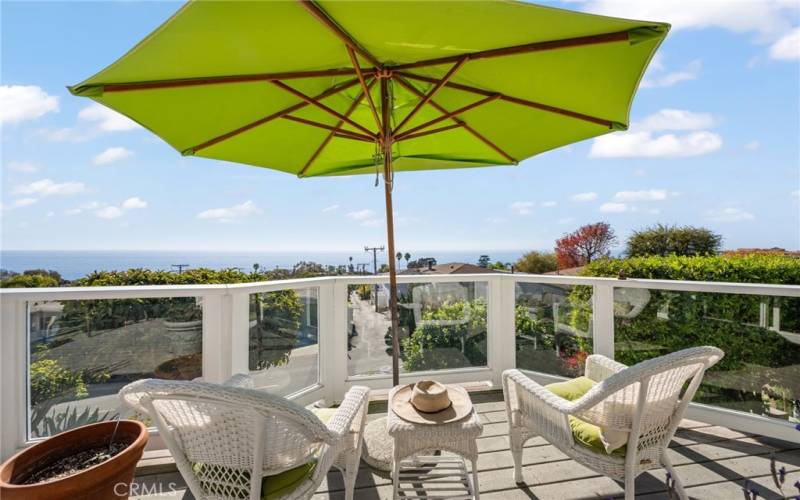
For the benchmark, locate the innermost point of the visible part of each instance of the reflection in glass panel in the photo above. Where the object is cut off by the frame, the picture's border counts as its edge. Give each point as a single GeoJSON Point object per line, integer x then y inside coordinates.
{"type": "Point", "coordinates": [442, 326]}
{"type": "Point", "coordinates": [760, 372]}
{"type": "Point", "coordinates": [83, 351]}
{"type": "Point", "coordinates": [284, 341]}
{"type": "Point", "coordinates": [553, 328]}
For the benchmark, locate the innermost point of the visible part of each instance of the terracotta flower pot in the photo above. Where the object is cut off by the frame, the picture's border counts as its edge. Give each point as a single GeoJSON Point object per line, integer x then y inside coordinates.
{"type": "Point", "coordinates": [109, 479]}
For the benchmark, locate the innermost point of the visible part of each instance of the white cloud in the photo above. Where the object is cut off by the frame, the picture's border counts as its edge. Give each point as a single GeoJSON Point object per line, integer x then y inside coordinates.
{"type": "Point", "coordinates": [330, 208]}
{"type": "Point", "coordinates": [112, 155]}
{"type": "Point", "coordinates": [19, 103]}
{"type": "Point", "coordinates": [643, 195]}
{"type": "Point", "coordinates": [752, 146]}
{"type": "Point", "coordinates": [134, 203]}
{"type": "Point", "coordinates": [46, 187]}
{"type": "Point", "coordinates": [787, 47]}
{"type": "Point", "coordinates": [641, 141]}
{"type": "Point", "coordinates": [22, 202]}
{"type": "Point", "coordinates": [582, 197]}
{"type": "Point", "coordinates": [549, 204]}
{"type": "Point", "coordinates": [107, 119]}
{"type": "Point", "coordinates": [522, 207]}
{"type": "Point", "coordinates": [362, 215]}
{"type": "Point", "coordinates": [728, 215]}
{"type": "Point", "coordinates": [230, 214]}
{"type": "Point", "coordinates": [92, 205]}
{"type": "Point", "coordinates": [645, 145]}
{"type": "Point", "coordinates": [24, 167]}
{"type": "Point", "coordinates": [768, 19]}
{"type": "Point", "coordinates": [675, 119]}
{"type": "Point", "coordinates": [688, 72]}
{"type": "Point", "coordinates": [613, 208]}
{"type": "Point", "coordinates": [795, 194]}
{"type": "Point", "coordinates": [109, 212]}
{"type": "Point", "coordinates": [495, 220]}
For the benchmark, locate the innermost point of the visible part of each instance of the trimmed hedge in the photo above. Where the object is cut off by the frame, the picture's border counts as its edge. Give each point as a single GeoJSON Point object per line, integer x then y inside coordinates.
{"type": "Point", "coordinates": [756, 358]}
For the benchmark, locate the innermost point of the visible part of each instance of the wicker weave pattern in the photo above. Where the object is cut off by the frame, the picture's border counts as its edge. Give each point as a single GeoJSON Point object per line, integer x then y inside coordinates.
{"type": "Point", "coordinates": [224, 438]}
{"type": "Point", "coordinates": [647, 401]}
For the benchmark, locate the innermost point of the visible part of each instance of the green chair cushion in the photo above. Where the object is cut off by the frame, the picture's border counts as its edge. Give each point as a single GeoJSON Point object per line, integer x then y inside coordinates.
{"type": "Point", "coordinates": [571, 389]}
{"type": "Point", "coordinates": [278, 485]}
{"type": "Point", "coordinates": [585, 433]}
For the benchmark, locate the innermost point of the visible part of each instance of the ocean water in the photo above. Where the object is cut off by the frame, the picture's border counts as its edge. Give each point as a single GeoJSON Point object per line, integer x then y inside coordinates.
{"type": "Point", "coordinates": [75, 264]}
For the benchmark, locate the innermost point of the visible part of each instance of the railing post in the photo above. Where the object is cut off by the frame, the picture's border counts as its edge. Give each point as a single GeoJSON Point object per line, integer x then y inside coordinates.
{"type": "Point", "coordinates": [501, 328]}
{"type": "Point", "coordinates": [333, 339]}
{"type": "Point", "coordinates": [239, 355]}
{"type": "Point", "coordinates": [217, 337]}
{"type": "Point", "coordinates": [13, 367]}
{"type": "Point", "coordinates": [603, 319]}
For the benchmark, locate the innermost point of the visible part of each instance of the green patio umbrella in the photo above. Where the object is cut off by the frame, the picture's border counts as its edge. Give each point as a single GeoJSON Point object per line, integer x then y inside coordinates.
{"type": "Point", "coordinates": [342, 88]}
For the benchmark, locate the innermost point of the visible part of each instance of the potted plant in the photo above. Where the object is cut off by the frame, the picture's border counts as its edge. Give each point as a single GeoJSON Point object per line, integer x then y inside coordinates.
{"type": "Point", "coordinates": [94, 461]}
{"type": "Point", "coordinates": [183, 318]}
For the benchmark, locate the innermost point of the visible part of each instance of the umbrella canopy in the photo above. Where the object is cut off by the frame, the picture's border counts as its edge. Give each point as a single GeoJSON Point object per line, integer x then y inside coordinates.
{"type": "Point", "coordinates": [342, 88]}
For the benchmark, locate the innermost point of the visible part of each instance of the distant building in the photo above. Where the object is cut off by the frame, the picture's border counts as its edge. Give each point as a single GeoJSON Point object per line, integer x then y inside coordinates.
{"type": "Point", "coordinates": [449, 268]}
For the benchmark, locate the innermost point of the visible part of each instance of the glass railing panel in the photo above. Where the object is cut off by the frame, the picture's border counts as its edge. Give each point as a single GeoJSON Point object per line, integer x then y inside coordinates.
{"type": "Point", "coordinates": [81, 352]}
{"type": "Point", "coordinates": [553, 325]}
{"type": "Point", "coordinates": [284, 340]}
{"type": "Point", "coordinates": [442, 326]}
{"type": "Point", "coordinates": [760, 372]}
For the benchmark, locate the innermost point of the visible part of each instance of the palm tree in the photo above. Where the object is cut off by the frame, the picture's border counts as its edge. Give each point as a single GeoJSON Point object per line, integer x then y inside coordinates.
{"type": "Point", "coordinates": [407, 256]}
{"type": "Point", "coordinates": [399, 256]}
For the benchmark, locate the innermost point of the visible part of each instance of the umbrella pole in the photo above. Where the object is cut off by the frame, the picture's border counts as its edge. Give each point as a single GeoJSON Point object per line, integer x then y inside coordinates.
{"type": "Point", "coordinates": [387, 189]}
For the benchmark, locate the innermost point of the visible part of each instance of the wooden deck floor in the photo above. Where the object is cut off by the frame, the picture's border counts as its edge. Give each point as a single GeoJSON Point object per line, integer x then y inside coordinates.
{"type": "Point", "coordinates": [712, 461]}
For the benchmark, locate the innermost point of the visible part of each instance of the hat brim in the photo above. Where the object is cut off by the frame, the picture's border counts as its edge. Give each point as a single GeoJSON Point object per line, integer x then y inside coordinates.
{"type": "Point", "coordinates": [460, 406]}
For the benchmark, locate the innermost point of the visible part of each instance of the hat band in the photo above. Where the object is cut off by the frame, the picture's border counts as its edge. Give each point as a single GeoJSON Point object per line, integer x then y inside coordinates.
{"type": "Point", "coordinates": [430, 412]}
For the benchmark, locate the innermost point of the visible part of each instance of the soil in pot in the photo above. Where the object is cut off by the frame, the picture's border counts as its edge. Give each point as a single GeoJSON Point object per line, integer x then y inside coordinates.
{"type": "Point", "coordinates": [73, 464]}
{"type": "Point", "coordinates": [187, 367]}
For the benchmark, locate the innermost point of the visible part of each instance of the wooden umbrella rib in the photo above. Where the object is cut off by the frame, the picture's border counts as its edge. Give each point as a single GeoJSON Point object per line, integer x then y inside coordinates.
{"type": "Point", "coordinates": [323, 17]}
{"type": "Point", "coordinates": [447, 115]}
{"type": "Point", "coordinates": [464, 124]}
{"type": "Point", "coordinates": [436, 88]}
{"type": "Point", "coordinates": [215, 80]}
{"type": "Point", "coordinates": [333, 128]}
{"type": "Point", "coordinates": [407, 137]}
{"type": "Point", "coordinates": [580, 41]}
{"type": "Point", "coordinates": [331, 91]}
{"type": "Point", "coordinates": [516, 100]}
{"type": "Point", "coordinates": [330, 136]}
{"type": "Point", "coordinates": [363, 82]}
{"type": "Point", "coordinates": [316, 103]}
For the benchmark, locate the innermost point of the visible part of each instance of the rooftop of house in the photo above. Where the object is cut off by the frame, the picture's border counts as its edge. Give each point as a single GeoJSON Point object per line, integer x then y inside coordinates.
{"type": "Point", "coordinates": [449, 268]}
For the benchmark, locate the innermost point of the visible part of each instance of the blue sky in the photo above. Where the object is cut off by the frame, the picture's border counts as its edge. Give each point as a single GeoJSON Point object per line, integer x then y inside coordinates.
{"type": "Point", "coordinates": [714, 142]}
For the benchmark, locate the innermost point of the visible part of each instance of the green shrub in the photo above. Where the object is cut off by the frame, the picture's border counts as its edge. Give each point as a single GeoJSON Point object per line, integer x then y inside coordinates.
{"type": "Point", "coordinates": [29, 281]}
{"type": "Point", "coordinates": [435, 347]}
{"type": "Point", "coordinates": [664, 240]}
{"type": "Point", "coordinates": [537, 263]}
{"type": "Point", "coordinates": [672, 320]}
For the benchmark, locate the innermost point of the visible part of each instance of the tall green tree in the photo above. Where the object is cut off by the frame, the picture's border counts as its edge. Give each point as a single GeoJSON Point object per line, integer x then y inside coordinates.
{"type": "Point", "coordinates": [536, 262]}
{"type": "Point", "coordinates": [663, 240]}
{"type": "Point", "coordinates": [484, 261]}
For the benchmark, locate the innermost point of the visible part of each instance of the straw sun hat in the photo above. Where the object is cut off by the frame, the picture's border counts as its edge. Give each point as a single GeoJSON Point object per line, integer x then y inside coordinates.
{"type": "Point", "coordinates": [429, 402]}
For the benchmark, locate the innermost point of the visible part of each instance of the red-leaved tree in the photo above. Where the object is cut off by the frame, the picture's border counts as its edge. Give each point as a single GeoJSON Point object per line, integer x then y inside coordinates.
{"type": "Point", "coordinates": [585, 244]}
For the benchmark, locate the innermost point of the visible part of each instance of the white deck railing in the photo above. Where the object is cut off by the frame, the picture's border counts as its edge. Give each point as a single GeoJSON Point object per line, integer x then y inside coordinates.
{"type": "Point", "coordinates": [226, 323]}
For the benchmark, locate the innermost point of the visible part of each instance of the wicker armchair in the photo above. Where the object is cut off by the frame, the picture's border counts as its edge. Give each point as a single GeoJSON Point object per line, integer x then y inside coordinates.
{"type": "Point", "coordinates": [645, 401]}
{"type": "Point", "coordinates": [227, 438]}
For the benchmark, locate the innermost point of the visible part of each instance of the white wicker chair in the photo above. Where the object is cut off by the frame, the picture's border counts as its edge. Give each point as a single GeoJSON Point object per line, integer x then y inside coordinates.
{"type": "Point", "coordinates": [226, 438]}
{"type": "Point", "coordinates": [646, 400]}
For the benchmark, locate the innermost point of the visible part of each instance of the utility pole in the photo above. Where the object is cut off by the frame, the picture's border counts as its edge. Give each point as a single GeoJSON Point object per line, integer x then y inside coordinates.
{"type": "Point", "coordinates": [375, 251]}
{"type": "Point", "coordinates": [180, 267]}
